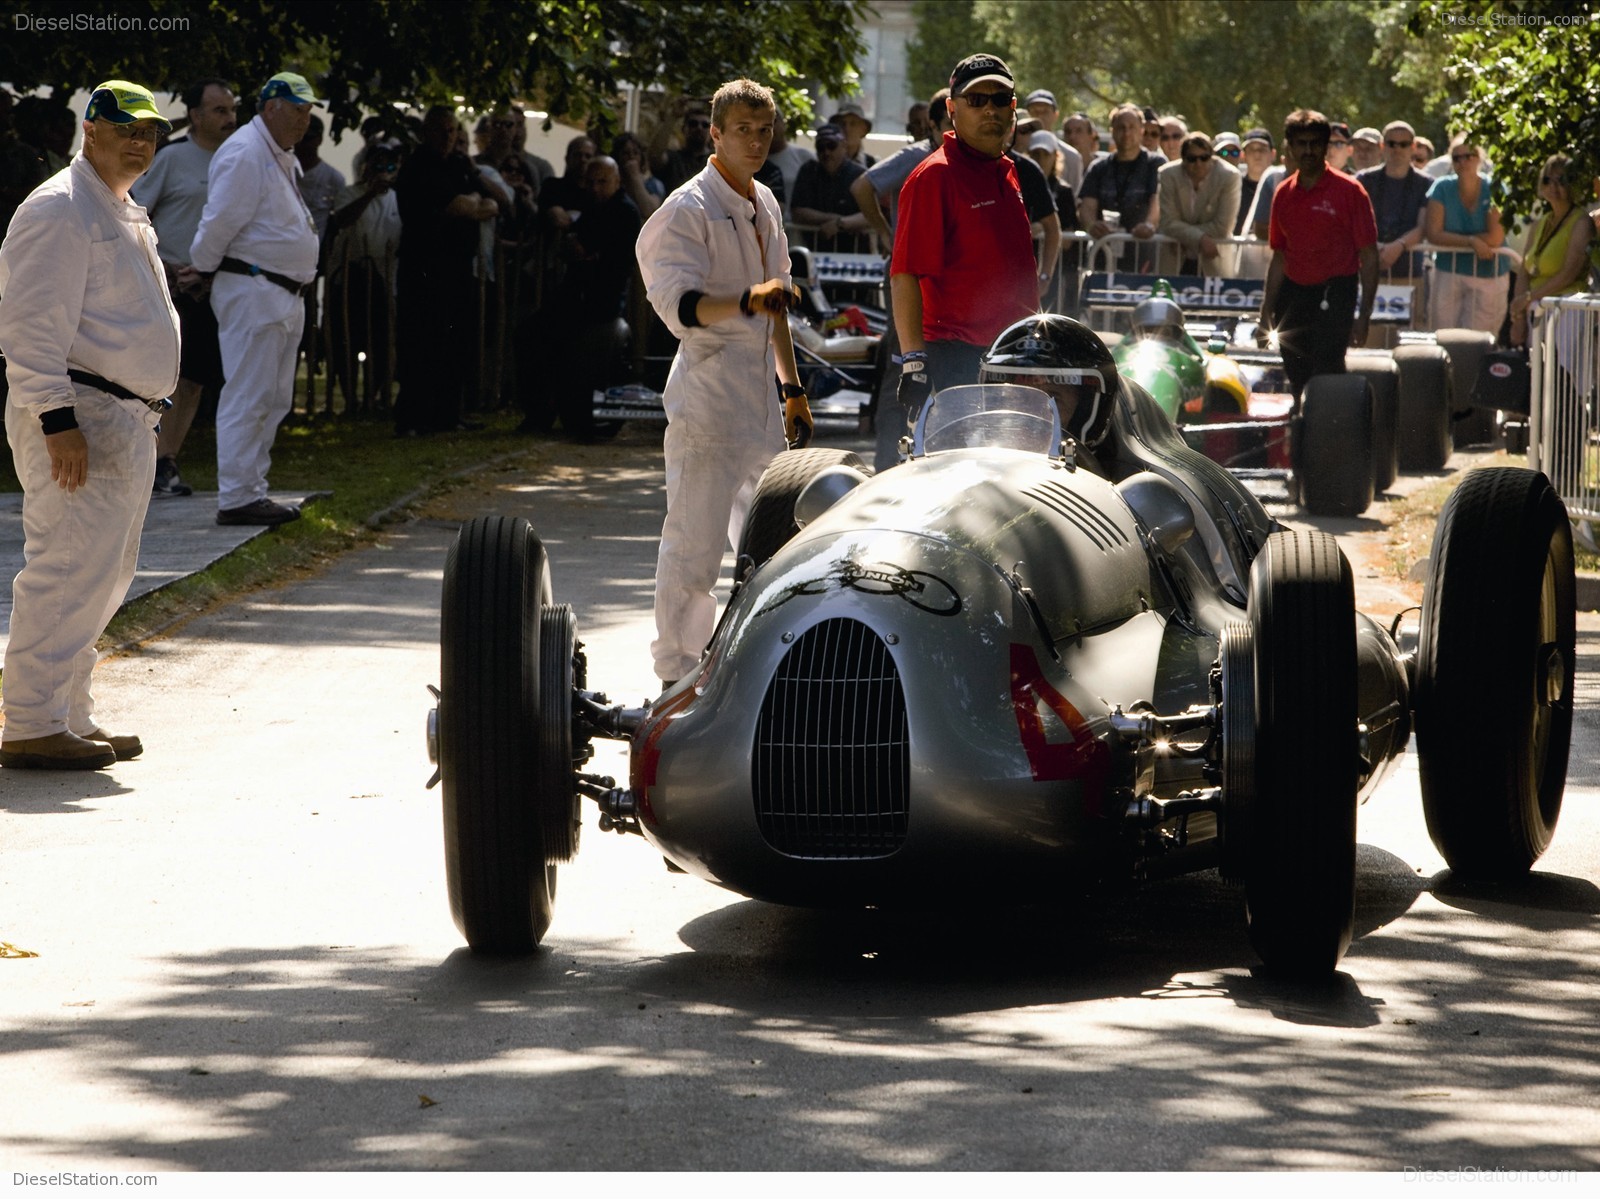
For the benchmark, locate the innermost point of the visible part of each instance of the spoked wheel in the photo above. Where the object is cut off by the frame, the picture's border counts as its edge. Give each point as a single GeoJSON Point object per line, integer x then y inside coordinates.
{"type": "Point", "coordinates": [1299, 844]}
{"type": "Point", "coordinates": [505, 756]}
{"type": "Point", "coordinates": [1495, 671]}
{"type": "Point", "coordinates": [771, 522]}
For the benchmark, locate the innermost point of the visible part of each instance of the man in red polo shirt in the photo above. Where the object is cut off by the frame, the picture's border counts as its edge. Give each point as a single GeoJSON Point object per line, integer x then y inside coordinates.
{"type": "Point", "coordinates": [1323, 236]}
{"type": "Point", "coordinates": [963, 267]}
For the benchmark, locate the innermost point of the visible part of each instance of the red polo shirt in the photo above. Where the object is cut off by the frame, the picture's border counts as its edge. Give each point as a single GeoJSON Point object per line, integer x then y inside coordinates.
{"type": "Point", "coordinates": [1321, 229]}
{"type": "Point", "coordinates": [963, 231]}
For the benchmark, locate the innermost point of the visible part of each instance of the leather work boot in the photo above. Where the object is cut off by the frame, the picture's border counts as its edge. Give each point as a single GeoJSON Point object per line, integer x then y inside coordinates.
{"type": "Point", "coordinates": [123, 745]}
{"type": "Point", "coordinates": [58, 752]}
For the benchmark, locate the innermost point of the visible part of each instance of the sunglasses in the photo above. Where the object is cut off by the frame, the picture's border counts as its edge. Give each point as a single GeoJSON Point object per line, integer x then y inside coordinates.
{"type": "Point", "coordinates": [1551, 180]}
{"type": "Point", "coordinates": [1197, 158]}
{"type": "Point", "coordinates": [1172, 137]}
{"type": "Point", "coordinates": [136, 133]}
{"type": "Point", "coordinates": [1228, 153]}
{"type": "Point", "coordinates": [998, 99]}
{"type": "Point", "coordinates": [1337, 144]}
{"type": "Point", "coordinates": [1463, 155]}
{"type": "Point", "coordinates": [1394, 145]}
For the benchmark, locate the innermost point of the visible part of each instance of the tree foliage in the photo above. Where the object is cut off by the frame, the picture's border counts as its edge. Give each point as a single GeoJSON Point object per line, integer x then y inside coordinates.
{"type": "Point", "coordinates": [570, 56]}
{"type": "Point", "coordinates": [1223, 64]}
{"type": "Point", "coordinates": [947, 31]}
{"type": "Point", "coordinates": [1530, 74]}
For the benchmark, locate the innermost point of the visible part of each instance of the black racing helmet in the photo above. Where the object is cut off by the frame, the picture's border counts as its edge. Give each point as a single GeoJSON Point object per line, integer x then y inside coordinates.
{"type": "Point", "coordinates": [1064, 351]}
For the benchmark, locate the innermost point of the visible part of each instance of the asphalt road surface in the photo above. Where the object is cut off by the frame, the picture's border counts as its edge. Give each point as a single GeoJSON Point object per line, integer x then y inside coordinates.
{"type": "Point", "coordinates": [245, 959]}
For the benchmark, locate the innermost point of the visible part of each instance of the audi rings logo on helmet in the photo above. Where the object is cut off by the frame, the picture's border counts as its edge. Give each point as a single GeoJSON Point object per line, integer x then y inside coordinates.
{"type": "Point", "coordinates": [1036, 344]}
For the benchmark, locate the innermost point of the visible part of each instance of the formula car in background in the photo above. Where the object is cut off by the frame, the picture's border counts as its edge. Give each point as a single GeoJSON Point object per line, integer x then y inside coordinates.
{"type": "Point", "coordinates": [1192, 342]}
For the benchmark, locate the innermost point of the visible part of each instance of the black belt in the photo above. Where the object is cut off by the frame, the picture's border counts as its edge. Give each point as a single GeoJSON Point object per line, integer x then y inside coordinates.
{"type": "Point", "coordinates": [236, 266]}
{"type": "Point", "coordinates": [100, 382]}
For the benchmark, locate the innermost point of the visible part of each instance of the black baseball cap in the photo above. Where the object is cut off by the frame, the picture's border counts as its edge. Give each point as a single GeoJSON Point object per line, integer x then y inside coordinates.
{"type": "Point", "coordinates": [1259, 135]}
{"type": "Point", "coordinates": [979, 68]}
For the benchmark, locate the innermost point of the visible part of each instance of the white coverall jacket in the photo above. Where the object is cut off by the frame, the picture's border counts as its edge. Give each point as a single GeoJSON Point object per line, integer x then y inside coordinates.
{"type": "Point", "coordinates": [724, 423]}
{"type": "Point", "coordinates": [80, 287]}
{"type": "Point", "coordinates": [254, 212]}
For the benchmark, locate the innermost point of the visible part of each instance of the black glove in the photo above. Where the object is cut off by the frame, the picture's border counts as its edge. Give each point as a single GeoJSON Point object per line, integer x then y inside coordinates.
{"type": "Point", "coordinates": [914, 385]}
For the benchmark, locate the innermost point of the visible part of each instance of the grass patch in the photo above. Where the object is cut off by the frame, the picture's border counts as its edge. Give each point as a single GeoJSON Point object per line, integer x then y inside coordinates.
{"type": "Point", "coordinates": [356, 458]}
{"type": "Point", "coordinates": [1413, 517]}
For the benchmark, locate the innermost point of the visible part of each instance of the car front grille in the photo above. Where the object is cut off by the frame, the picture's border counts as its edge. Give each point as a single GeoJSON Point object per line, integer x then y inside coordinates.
{"type": "Point", "coordinates": [832, 758]}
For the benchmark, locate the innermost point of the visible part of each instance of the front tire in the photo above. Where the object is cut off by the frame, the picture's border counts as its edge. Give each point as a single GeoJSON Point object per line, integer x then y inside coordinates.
{"type": "Point", "coordinates": [1299, 849]}
{"type": "Point", "coordinates": [499, 867]}
{"type": "Point", "coordinates": [1495, 672]}
{"type": "Point", "coordinates": [771, 522]}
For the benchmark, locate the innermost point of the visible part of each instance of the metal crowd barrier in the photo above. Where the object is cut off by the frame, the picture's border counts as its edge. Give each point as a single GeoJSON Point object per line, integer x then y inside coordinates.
{"type": "Point", "coordinates": [1564, 427]}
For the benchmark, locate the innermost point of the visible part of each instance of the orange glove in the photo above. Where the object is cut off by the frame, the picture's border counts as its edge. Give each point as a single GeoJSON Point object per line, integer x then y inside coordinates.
{"type": "Point", "coordinates": [797, 422]}
{"type": "Point", "coordinates": [773, 296]}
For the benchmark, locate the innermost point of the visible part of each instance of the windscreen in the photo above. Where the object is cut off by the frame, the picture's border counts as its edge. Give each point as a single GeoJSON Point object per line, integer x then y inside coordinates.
{"type": "Point", "coordinates": [995, 415]}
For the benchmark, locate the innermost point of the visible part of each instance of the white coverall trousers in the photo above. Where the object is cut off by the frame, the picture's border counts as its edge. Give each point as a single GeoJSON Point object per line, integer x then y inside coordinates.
{"type": "Point", "coordinates": [79, 553]}
{"type": "Point", "coordinates": [258, 326]}
{"type": "Point", "coordinates": [714, 461]}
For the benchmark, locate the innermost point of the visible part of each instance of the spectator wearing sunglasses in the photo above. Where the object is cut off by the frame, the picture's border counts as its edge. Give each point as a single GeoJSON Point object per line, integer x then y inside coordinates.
{"type": "Point", "coordinates": [1421, 152]}
{"type": "Point", "coordinates": [1340, 147]}
{"type": "Point", "coordinates": [1324, 241]}
{"type": "Point", "coordinates": [1173, 131]}
{"type": "Point", "coordinates": [1469, 289]}
{"type": "Point", "coordinates": [1399, 195]}
{"type": "Point", "coordinates": [677, 166]}
{"type": "Point", "coordinates": [1199, 200]}
{"type": "Point", "coordinates": [963, 267]}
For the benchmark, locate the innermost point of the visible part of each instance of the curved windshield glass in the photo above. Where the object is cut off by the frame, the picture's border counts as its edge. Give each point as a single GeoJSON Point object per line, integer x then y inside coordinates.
{"type": "Point", "coordinates": [998, 415]}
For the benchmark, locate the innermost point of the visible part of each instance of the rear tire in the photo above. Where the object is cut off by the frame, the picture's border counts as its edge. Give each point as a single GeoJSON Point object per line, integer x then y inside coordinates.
{"type": "Point", "coordinates": [500, 875]}
{"type": "Point", "coordinates": [1425, 402]}
{"type": "Point", "coordinates": [1300, 841]}
{"type": "Point", "coordinates": [1384, 378]}
{"type": "Point", "coordinates": [1334, 459]}
{"type": "Point", "coordinates": [1466, 347]}
{"type": "Point", "coordinates": [1495, 672]}
{"type": "Point", "coordinates": [771, 522]}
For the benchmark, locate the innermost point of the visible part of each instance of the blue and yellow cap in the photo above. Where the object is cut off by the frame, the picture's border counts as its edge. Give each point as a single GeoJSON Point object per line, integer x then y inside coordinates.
{"type": "Point", "coordinates": [122, 103]}
{"type": "Point", "coordinates": [286, 85]}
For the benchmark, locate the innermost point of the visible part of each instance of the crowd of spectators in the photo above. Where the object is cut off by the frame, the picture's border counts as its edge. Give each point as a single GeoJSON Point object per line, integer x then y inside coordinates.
{"type": "Point", "coordinates": [458, 259]}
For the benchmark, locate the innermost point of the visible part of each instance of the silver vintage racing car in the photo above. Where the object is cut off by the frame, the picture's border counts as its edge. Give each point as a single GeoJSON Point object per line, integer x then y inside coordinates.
{"type": "Point", "coordinates": [1026, 658]}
